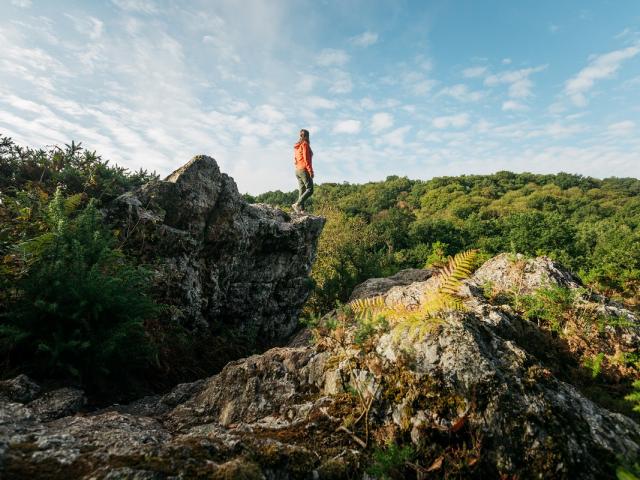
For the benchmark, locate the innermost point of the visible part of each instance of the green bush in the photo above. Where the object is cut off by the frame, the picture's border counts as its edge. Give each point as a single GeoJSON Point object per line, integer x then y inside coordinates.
{"type": "Point", "coordinates": [75, 169]}
{"type": "Point", "coordinates": [634, 396]}
{"type": "Point", "coordinates": [391, 461]}
{"type": "Point", "coordinates": [547, 306]}
{"type": "Point", "coordinates": [77, 309]}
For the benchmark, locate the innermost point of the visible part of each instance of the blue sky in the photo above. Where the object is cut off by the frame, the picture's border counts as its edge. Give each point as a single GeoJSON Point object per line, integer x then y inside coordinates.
{"type": "Point", "coordinates": [422, 89]}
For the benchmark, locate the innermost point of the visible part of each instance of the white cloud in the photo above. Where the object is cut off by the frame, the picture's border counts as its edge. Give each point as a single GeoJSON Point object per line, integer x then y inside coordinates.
{"type": "Point", "coordinates": [423, 87]}
{"type": "Point", "coordinates": [88, 26]}
{"type": "Point", "coordinates": [424, 63]}
{"type": "Point", "coordinates": [306, 82]}
{"type": "Point", "coordinates": [347, 126]}
{"type": "Point", "coordinates": [140, 6]}
{"type": "Point", "coordinates": [223, 48]}
{"type": "Point", "coordinates": [330, 57]}
{"type": "Point", "coordinates": [512, 105]}
{"type": "Point", "coordinates": [340, 81]}
{"type": "Point", "coordinates": [395, 138]}
{"type": "Point", "coordinates": [381, 121]}
{"type": "Point", "coordinates": [21, 3]}
{"type": "Point", "coordinates": [455, 121]}
{"type": "Point", "coordinates": [600, 67]}
{"type": "Point", "coordinates": [417, 82]}
{"type": "Point", "coordinates": [317, 103]}
{"type": "Point", "coordinates": [474, 72]}
{"type": "Point", "coordinates": [270, 114]}
{"type": "Point", "coordinates": [559, 130]}
{"type": "Point", "coordinates": [622, 129]}
{"type": "Point", "coordinates": [518, 80]}
{"type": "Point", "coordinates": [506, 61]}
{"type": "Point", "coordinates": [461, 93]}
{"type": "Point", "coordinates": [365, 39]}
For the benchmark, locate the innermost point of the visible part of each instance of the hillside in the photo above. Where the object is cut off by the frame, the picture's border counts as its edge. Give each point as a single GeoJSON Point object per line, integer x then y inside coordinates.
{"type": "Point", "coordinates": [169, 328]}
{"type": "Point", "coordinates": [591, 226]}
{"type": "Point", "coordinates": [399, 386]}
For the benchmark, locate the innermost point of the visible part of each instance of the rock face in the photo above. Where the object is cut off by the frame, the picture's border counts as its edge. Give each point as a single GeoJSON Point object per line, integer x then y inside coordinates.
{"type": "Point", "coordinates": [479, 395]}
{"type": "Point", "coordinates": [218, 260]}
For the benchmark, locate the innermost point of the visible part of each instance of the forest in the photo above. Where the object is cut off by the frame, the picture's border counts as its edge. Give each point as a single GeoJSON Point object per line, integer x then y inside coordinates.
{"type": "Point", "coordinates": [590, 226]}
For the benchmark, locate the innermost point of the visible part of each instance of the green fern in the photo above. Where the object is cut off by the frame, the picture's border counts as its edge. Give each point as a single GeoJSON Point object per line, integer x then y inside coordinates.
{"type": "Point", "coordinates": [72, 203]}
{"type": "Point", "coordinates": [459, 268]}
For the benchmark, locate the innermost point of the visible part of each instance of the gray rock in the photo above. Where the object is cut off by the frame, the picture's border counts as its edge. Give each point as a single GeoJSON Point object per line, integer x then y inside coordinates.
{"type": "Point", "coordinates": [524, 275]}
{"type": "Point", "coordinates": [58, 403]}
{"type": "Point", "coordinates": [272, 415]}
{"type": "Point", "coordinates": [217, 259]}
{"type": "Point", "coordinates": [252, 389]}
{"type": "Point", "coordinates": [156, 405]}
{"type": "Point", "coordinates": [19, 389]}
{"type": "Point", "coordinates": [379, 286]}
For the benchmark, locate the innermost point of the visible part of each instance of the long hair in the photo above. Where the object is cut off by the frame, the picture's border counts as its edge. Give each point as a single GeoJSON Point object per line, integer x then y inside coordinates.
{"type": "Point", "coordinates": [304, 135]}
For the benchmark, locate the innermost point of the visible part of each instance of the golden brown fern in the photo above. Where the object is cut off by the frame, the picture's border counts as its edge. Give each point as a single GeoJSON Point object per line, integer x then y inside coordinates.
{"type": "Point", "coordinates": [440, 299]}
{"type": "Point", "coordinates": [458, 268]}
{"type": "Point", "coordinates": [362, 306]}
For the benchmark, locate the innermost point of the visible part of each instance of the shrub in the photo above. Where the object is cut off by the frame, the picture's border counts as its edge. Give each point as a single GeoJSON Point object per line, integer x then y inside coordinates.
{"type": "Point", "coordinates": [547, 306]}
{"type": "Point", "coordinates": [390, 462]}
{"type": "Point", "coordinates": [78, 308]}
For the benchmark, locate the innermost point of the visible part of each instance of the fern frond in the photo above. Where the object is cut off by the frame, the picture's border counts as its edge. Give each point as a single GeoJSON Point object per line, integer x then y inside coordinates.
{"type": "Point", "coordinates": [441, 299]}
{"type": "Point", "coordinates": [459, 268]}
{"type": "Point", "coordinates": [72, 203]}
{"type": "Point", "coordinates": [363, 306]}
{"type": "Point", "coordinates": [414, 327]}
{"type": "Point", "coordinates": [438, 303]}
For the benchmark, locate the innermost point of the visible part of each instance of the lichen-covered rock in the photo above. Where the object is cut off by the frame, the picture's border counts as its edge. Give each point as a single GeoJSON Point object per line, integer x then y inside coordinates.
{"type": "Point", "coordinates": [217, 259]}
{"type": "Point", "coordinates": [58, 403]}
{"type": "Point", "coordinates": [523, 275]}
{"type": "Point", "coordinates": [482, 391]}
{"type": "Point", "coordinates": [278, 383]}
{"type": "Point", "coordinates": [19, 389]}
{"type": "Point", "coordinates": [380, 286]}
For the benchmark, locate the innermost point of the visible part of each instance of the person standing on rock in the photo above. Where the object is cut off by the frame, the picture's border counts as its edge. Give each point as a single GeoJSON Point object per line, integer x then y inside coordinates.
{"type": "Point", "coordinates": [304, 170]}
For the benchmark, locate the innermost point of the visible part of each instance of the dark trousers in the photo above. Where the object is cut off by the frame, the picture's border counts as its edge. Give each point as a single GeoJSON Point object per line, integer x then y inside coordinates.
{"type": "Point", "coordinates": [305, 186]}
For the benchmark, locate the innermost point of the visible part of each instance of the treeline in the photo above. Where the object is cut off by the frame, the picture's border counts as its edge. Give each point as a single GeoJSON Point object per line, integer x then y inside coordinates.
{"type": "Point", "coordinates": [589, 225]}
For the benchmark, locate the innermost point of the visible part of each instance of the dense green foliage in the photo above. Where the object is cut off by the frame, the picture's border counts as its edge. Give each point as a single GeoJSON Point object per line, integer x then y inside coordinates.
{"type": "Point", "coordinates": [591, 226]}
{"type": "Point", "coordinates": [73, 168]}
{"type": "Point", "coordinates": [71, 304]}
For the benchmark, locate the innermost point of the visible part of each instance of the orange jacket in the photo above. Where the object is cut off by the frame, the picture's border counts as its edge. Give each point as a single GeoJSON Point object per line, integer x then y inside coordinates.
{"type": "Point", "coordinates": [302, 157]}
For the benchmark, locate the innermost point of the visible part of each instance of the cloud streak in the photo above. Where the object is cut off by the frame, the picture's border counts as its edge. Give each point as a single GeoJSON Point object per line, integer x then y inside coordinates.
{"type": "Point", "coordinates": [600, 67]}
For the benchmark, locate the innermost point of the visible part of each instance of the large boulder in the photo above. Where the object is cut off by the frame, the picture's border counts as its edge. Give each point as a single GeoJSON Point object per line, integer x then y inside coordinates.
{"type": "Point", "coordinates": [379, 286]}
{"type": "Point", "coordinates": [217, 259]}
{"type": "Point", "coordinates": [478, 394]}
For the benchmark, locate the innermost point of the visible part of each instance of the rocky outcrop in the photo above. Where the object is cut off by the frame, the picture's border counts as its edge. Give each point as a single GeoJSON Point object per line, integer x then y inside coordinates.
{"type": "Point", "coordinates": [218, 260]}
{"type": "Point", "coordinates": [478, 394]}
{"type": "Point", "coordinates": [380, 286]}
{"type": "Point", "coordinates": [515, 272]}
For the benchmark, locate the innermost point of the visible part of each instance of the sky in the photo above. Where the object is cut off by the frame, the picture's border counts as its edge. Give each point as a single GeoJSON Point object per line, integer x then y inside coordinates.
{"type": "Point", "coordinates": [409, 88]}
